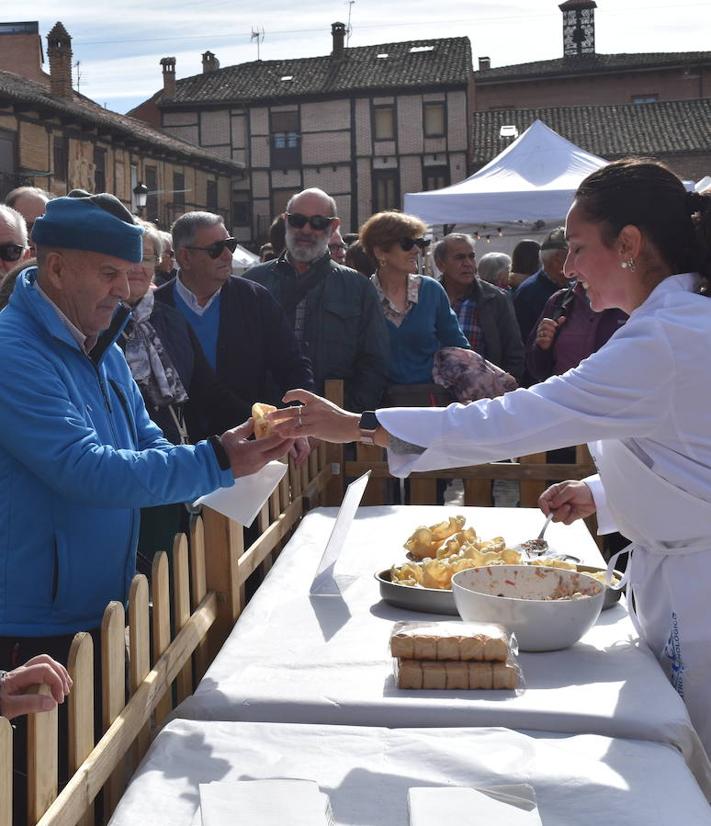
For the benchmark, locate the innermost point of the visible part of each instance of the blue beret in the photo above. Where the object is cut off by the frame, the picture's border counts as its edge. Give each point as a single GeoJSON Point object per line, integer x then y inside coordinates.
{"type": "Point", "coordinates": [98, 223]}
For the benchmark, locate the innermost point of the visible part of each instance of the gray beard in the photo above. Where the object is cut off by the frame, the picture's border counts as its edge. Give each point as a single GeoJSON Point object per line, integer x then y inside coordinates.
{"type": "Point", "coordinates": [306, 254]}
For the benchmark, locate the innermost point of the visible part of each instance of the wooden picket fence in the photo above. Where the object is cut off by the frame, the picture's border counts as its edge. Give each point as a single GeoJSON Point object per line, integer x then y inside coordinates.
{"type": "Point", "coordinates": [177, 625]}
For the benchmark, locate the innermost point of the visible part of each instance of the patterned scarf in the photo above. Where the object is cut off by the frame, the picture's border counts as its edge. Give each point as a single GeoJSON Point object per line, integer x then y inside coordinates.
{"type": "Point", "coordinates": [150, 364]}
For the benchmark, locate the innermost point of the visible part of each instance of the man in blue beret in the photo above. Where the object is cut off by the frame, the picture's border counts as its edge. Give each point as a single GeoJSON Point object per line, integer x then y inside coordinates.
{"type": "Point", "coordinates": [79, 455]}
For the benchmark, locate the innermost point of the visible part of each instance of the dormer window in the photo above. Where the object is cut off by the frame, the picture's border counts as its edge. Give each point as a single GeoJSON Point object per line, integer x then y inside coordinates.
{"type": "Point", "coordinates": [420, 49]}
{"type": "Point", "coordinates": [286, 77]}
{"type": "Point", "coordinates": [382, 56]}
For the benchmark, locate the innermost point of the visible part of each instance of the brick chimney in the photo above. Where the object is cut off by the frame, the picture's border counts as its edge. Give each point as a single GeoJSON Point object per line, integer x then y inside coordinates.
{"type": "Point", "coordinates": [21, 51]}
{"type": "Point", "coordinates": [578, 27]}
{"type": "Point", "coordinates": [338, 32]}
{"type": "Point", "coordinates": [484, 63]}
{"type": "Point", "coordinates": [59, 51]}
{"type": "Point", "coordinates": [209, 63]}
{"type": "Point", "coordinates": [168, 64]}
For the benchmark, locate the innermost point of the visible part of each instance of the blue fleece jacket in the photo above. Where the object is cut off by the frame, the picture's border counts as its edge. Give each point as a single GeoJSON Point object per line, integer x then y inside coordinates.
{"type": "Point", "coordinates": [78, 457]}
{"type": "Point", "coordinates": [430, 325]}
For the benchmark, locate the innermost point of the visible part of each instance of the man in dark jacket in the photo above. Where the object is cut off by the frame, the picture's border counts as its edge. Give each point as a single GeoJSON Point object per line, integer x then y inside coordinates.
{"type": "Point", "coordinates": [333, 310]}
{"type": "Point", "coordinates": [485, 313]}
{"type": "Point", "coordinates": [243, 332]}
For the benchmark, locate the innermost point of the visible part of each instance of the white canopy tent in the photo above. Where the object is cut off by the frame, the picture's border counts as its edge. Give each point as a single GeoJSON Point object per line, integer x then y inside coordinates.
{"type": "Point", "coordinates": [533, 179]}
{"type": "Point", "coordinates": [243, 259]}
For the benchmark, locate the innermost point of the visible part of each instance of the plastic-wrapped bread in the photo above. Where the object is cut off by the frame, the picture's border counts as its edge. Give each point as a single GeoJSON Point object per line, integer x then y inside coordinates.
{"type": "Point", "coordinates": [456, 676]}
{"type": "Point", "coordinates": [456, 641]}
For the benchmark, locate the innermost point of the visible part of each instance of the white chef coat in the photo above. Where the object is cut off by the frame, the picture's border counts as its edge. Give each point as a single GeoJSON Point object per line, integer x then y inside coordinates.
{"type": "Point", "coordinates": [644, 401]}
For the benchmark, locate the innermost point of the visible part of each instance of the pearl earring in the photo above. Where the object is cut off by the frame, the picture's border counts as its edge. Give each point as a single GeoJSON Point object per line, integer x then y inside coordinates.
{"type": "Point", "coordinates": [629, 264]}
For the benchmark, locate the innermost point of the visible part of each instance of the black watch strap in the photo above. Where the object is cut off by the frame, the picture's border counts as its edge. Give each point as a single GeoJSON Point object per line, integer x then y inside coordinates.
{"type": "Point", "coordinates": [223, 460]}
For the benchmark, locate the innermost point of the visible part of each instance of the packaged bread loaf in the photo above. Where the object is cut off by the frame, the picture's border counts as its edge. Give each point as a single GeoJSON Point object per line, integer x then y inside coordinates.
{"type": "Point", "coordinates": [455, 640]}
{"type": "Point", "coordinates": [452, 676]}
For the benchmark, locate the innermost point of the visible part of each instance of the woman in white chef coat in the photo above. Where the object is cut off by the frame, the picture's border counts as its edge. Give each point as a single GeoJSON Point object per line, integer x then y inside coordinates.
{"type": "Point", "coordinates": [637, 241]}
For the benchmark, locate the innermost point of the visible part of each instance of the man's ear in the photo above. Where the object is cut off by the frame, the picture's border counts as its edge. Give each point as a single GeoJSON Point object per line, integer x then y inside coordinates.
{"type": "Point", "coordinates": [182, 258]}
{"type": "Point", "coordinates": [335, 224]}
{"type": "Point", "coordinates": [54, 269]}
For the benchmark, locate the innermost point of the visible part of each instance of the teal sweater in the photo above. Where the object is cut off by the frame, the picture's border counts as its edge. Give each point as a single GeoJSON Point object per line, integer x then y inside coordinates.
{"type": "Point", "coordinates": [429, 326]}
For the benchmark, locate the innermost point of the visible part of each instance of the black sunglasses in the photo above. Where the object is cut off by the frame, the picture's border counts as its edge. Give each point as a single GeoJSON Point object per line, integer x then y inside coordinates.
{"type": "Point", "coordinates": [407, 244]}
{"type": "Point", "coordinates": [317, 222]}
{"type": "Point", "coordinates": [215, 250]}
{"type": "Point", "coordinates": [11, 252]}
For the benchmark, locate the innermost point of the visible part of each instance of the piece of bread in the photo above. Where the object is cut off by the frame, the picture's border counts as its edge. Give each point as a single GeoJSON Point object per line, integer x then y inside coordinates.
{"type": "Point", "coordinates": [262, 427]}
{"type": "Point", "coordinates": [409, 674]}
{"type": "Point", "coordinates": [434, 675]}
{"type": "Point", "coordinates": [452, 640]}
{"type": "Point", "coordinates": [425, 647]}
{"type": "Point", "coordinates": [480, 676]}
{"type": "Point", "coordinates": [495, 649]}
{"type": "Point", "coordinates": [472, 648]}
{"type": "Point", "coordinates": [504, 676]}
{"type": "Point", "coordinates": [403, 646]}
{"type": "Point", "coordinates": [457, 675]}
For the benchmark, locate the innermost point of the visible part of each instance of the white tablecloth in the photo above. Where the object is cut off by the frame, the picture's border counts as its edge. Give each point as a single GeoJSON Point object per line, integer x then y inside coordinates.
{"type": "Point", "coordinates": [584, 780]}
{"type": "Point", "coordinates": [325, 660]}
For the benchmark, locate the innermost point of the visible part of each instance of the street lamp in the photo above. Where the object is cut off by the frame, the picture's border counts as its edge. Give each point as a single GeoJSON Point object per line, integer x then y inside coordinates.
{"type": "Point", "coordinates": [140, 192]}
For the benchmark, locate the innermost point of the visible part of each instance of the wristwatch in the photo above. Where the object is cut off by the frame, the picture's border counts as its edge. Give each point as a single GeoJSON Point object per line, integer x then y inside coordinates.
{"type": "Point", "coordinates": [368, 424]}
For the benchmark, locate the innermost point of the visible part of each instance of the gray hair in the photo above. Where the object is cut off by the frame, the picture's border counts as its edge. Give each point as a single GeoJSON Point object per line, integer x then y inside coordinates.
{"type": "Point", "coordinates": [186, 227]}
{"type": "Point", "coordinates": [546, 255]}
{"type": "Point", "coordinates": [314, 190]}
{"type": "Point", "coordinates": [492, 264]}
{"type": "Point", "coordinates": [440, 248]}
{"type": "Point", "coordinates": [16, 221]}
{"type": "Point", "coordinates": [13, 197]}
{"type": "Point", "coordinates": [155, 236]}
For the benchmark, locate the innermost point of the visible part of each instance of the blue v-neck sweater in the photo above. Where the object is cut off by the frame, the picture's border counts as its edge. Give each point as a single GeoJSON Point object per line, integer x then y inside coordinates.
{"type": "Point", "coordinates": [430, 325]}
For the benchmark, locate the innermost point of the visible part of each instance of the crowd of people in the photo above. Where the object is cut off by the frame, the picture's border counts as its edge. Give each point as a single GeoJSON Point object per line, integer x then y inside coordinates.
{"type": "Point", "coordinates": [132, 356]}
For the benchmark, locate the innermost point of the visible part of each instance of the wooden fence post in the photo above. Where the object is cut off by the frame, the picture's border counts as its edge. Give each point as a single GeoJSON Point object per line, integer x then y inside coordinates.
{"type": "Point", "coordinates": [42, 754]}
{"type": "Point", "coordinates": [5, 772]}
{"type": "Point", "coordinates": [81, 708]}
{"type": "Point", "coordinates": [113, 689]}
{"type": "Point", "coordinates": [198, 588]}
{"type": "Point", "coordinates": [160, 591]}
{"type": "Point", "coordinates": [181, 609]}
{"type": "Point", "coordinates": [140, 653]}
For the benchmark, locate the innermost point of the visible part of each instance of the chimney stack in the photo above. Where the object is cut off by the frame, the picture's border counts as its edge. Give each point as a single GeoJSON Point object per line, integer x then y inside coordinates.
{"type": "Point", "coordinates": [209, 63]}
{"type": "Point", "coordinates": [578, 27]}
{"type": "Point", "coordinates": [168, 64]}
{"type": "Point", "coordinates": [484, 63]}
{"type": "Point", "coordinates": [338, 32]}
{"type": "Point", "coordinates": [59, 51]}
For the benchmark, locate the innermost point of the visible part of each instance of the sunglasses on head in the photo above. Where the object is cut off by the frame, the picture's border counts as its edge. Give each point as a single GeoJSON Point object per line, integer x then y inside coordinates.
{"type": "Point", "coordinates": [11, 252]}
{"type": "Point", "coordinates": [317, 222]}
{"type": "Point", "coordinates": [407, 244]}
{"type": "Point", "coordinates": [215, 250]}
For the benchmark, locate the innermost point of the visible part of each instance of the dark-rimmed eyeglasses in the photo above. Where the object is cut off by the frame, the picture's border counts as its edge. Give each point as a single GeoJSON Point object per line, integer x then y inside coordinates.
{"type": "Point", "coordinates": [316, 222]}
{"type": "Point", "coordinates": [406, 244]}
{"type": "Point", "coordinates": [216, 249]}
{"type": "Point", "coordinates": [11, 252]}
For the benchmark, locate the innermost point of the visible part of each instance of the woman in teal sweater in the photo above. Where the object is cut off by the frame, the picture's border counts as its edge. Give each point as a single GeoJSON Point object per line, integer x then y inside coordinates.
{"type": "Point", "coordinates": [419, 318]}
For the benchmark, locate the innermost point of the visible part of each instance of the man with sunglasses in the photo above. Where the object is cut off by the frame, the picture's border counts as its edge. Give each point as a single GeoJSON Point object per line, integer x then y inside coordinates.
{"type": "Point", "coordinates": [13, 239]}
{"type": "Point", "coordinates": [333, 310]}
{"type": "Point", "coordinates": [31, 203]}
{"type": "Point", "coordinates": [243, 331]}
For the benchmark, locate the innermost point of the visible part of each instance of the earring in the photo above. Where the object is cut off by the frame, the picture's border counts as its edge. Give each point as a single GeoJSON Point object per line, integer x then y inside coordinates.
{"type": "Point", "coordinates": [629, 264]}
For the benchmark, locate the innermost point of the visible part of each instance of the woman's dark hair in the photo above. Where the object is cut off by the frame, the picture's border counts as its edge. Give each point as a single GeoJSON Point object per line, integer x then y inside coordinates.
{"type": "Point", "coordinates": [358, 259]}
{"type": "Point", "coordinates": [648, 195]}
{"type": "Point", "coordinates": [525, 258]}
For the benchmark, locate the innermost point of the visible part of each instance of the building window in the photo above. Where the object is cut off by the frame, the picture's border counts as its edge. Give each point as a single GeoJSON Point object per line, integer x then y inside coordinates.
{"type": "Point", "coordinates": [212, 196]}
{"type": "Point", "coordinates": [384, 123]}
{"type": "Point", "coordinates": [99, 169]}
{"type": "Point", "coordinates": [61, 160]}
{"type": "Point", "coordinates": [645, 98]}
{"type": "Point", "coordinates": [286, 140]}
{"type": "Point", "coordinates": [241, 213]}
{"type": "Point", "coordinates": [179, 191]}
{"type": "Point", "coordinates": [435, 177]}
{"type": "Point", "coordinates": [386, 190]}
{"type": "Point", "coordinates": [434, 119]}
{"type": "Point", "coordinates": [151, 173]}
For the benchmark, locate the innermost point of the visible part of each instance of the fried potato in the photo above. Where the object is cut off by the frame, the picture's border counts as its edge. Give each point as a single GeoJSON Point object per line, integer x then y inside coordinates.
{"type": "Point", "coordinates": [425, 541]}
{"type": "Point", "coordinates": [262, 427]}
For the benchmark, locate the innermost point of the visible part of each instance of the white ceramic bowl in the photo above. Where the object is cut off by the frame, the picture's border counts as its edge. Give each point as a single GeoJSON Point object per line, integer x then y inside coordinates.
{"type": "Point", "coordinates": [516, 597]}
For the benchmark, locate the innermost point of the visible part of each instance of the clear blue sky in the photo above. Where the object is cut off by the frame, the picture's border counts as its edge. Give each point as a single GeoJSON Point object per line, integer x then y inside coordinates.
{"type": "Point", "coordinates": [118, 44]}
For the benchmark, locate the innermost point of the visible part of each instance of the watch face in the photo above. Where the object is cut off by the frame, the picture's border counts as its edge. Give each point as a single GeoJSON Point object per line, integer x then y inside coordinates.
{"type": "Point", "coordinates": [368, 421]}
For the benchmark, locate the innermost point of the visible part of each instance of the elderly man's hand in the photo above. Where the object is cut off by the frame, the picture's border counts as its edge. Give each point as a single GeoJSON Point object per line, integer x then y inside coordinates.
{"type": "Point", "coordinates": [247, 455]}
{"type": "Point", "coordinates": [546, 332]}
{"type": "Point", "coordinates": [41, 670]}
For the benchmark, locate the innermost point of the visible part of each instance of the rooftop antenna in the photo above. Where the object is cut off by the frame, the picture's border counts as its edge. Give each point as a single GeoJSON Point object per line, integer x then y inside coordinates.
{"type": "Point", "coordinates": [350, 4]}
{"type": "Point", "coordinates": [77, 66]}
{"type": "Point", "coordinates": [258, 35]}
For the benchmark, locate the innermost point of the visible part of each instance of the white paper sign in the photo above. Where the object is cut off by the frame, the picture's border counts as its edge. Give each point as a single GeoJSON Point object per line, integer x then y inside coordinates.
{"type": "Point", "coordinates": [243, 501]}
{"type": "Point", "coordinates": [461, 806]}
{"type": "Point", "coordinates": [325, 581]}
{"type": "Point", "coordinates": [263, 803]}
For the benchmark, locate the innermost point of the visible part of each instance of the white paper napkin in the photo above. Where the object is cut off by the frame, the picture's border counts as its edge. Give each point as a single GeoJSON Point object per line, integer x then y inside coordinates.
{"type": "Point", "coordinates": [243, 501]}
{"type": "Point", "coordinates": [264, 803]}
{"type": "Point", "coordinates": [325, 582]}
{"type": "Point", "coordinates": [459, 806]}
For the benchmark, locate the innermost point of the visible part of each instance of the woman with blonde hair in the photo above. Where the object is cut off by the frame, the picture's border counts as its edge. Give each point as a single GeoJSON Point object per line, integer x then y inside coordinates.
{"type": "Point", "coordinates": [419, 319]}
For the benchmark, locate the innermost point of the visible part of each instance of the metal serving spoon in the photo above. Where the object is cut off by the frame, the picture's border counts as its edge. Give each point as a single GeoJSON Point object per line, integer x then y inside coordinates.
{"type": "Point", "coordinates": [537, 546]}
